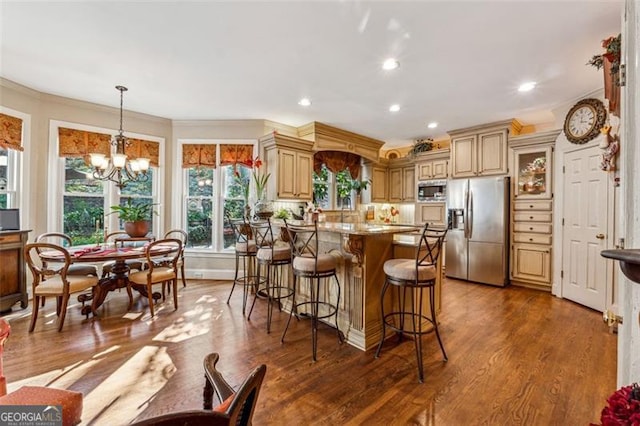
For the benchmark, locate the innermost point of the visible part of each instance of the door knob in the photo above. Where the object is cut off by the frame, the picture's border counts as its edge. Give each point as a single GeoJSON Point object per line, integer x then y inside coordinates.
{"type": "Point", "coordinates": [600, 236]}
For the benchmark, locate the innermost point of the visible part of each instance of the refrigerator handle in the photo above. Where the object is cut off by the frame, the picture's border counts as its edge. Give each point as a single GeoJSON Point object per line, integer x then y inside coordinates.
{"type": "Point", "coordinates": [470, 214]}
{"type": "Point", "coordinates": [466, 214]}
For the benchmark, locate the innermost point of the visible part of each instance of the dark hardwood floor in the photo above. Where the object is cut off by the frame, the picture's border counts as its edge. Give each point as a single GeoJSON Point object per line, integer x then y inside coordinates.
{"type": "Point", "coordinates": [516, 356]}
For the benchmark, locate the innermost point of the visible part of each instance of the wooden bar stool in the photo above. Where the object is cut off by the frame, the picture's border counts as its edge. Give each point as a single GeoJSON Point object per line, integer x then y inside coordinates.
{"type": "Point", "coordinates": [413, 276]}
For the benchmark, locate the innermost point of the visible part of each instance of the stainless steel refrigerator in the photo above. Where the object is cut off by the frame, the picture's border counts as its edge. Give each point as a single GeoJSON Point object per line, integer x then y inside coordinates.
{"type": "Point", "coordinates": [478, 238]}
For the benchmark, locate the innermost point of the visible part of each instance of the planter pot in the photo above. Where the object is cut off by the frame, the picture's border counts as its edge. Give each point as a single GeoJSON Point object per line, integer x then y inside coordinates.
{"type": "Point", "coordinates": [137, 229]}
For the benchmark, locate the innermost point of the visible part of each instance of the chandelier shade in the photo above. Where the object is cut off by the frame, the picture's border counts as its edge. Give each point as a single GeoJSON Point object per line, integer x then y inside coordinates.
{"type": "Point", "coordinates": [118, 168]}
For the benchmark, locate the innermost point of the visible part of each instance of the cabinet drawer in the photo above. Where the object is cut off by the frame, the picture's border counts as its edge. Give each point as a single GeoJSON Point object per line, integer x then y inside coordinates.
{"type": "Point", "coordinates": [531, 238]}
{"type": "Point", "coordinates": [9, 238]}
{"type": "Point", "coordinates": [533, 205]}
{"type": "Point", "coordinates": [532, 217]}
{"type": "Point", "coordinates": [539, 228]}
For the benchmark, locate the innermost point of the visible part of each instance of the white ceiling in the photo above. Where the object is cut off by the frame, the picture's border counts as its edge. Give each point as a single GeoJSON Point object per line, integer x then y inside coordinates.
{"type": "Point", "coordinates": [460, 61]}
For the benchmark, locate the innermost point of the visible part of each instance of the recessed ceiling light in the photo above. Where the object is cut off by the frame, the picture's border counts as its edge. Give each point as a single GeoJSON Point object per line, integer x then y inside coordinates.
{"type": "Point", "coordinates": [390, 64]}
{"type": "Point", "coordinates": [525, 87]}
{"type": "Point", "coordinates": [304, 102]}
{"type": "Point", "coordinates": [432, 125]}
{"type": "Point", "coordinates": [394, 108]}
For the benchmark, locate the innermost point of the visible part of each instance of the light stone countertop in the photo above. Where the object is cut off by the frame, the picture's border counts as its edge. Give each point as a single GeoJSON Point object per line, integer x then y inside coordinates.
{"type": "Point", "coordinates": [361, 228]}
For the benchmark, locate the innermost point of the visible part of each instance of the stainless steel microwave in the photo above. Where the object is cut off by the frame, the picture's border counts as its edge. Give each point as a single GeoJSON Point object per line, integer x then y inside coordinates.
{"type": "Point", "coordinates": [432, 191]}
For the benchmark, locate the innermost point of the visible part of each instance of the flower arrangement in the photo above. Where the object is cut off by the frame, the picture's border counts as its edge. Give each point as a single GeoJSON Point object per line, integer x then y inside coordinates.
{"type": "Point", "coordinates": [260, 179]}
{"type": "Point", "coordinates": [421, 145]}
{"type": "Point", "coordinates": [612, 54]}
{"type": "Point", "coordinates": [623, 407]}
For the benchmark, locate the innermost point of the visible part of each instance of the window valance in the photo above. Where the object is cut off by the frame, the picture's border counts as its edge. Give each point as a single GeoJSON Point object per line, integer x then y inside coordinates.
{"type": "Point", "coordinates": [10, 132]}
{"type": "Point", "coordinates": [80, 143]}
{"type": "Point", "coordinates": [337, 161]}
{"type": "Point", "coordinates": [199, 155]}
{"type": "Point", "coordinates": [234, 154]}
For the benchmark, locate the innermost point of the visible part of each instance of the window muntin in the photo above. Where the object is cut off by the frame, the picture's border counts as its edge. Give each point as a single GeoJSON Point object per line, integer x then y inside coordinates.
{"type": "Point", "coordinates": [8, 178]}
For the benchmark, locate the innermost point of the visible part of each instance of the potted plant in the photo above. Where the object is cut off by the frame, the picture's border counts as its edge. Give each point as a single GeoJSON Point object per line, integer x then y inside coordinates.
{"type": "Point", "coordinates": [136, 217]}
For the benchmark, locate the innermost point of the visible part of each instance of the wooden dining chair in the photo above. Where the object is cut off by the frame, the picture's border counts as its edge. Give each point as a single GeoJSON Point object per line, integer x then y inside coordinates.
{"type": "Point", "coordinates": [182, 236]}
{"type": "Point", "coordinates": [64, 240]}
{"type": "Point", "coordinates": [48, 281]}
{"type": "Point", "coordinates": [159, 272]}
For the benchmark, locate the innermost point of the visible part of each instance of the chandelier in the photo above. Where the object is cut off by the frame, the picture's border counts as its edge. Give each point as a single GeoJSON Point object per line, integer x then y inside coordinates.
{"type": "Point", "coordinates": [120, 170]}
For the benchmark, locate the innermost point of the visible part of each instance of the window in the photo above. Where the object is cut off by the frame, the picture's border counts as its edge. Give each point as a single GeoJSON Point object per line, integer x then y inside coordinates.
{"type": "Point", "coordinates": [332, 190]}
{"type": "Point", "coordinates": [8, 178]}
{"type": "Point", "coordinates": [216, 184]}
{"type": "Point", "coordinates": [86, 213]}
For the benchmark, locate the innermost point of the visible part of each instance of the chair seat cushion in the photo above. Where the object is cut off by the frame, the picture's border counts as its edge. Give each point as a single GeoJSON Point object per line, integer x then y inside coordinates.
{"type": "Point", "coordinates": [224, 405]}
{"type": "Point", "coordinates": [158, 275]}
{"type": "Point", "coordinates": [53, 285]}
{"type": "Point", "coordinates": [70, 401]}
{"type": "Point", "coordinates": [82, 270]}
{"type": "Point", "coordinates": [278, 253]}
{"type": "Point", "coordinates": [326, 263]}
{"type": "Point", "coordinates": [248, 247]}
{"type": "Point", "coordinates": [405, 269]}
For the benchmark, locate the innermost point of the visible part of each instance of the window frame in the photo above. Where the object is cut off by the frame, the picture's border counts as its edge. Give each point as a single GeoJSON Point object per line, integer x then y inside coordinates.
{"type": "Point", "coordinates": [21, 162]}
{"type": "Point", "coordinates": [111, 193]}
{"type": "Point", "coordinates": [180, 211]}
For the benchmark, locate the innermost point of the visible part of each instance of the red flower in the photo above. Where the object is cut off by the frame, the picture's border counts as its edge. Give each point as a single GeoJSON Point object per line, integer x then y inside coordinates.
{"type": "Point", "coordinates": [623, 407]}
{"type": "Point", "coordinates": [257, 163]}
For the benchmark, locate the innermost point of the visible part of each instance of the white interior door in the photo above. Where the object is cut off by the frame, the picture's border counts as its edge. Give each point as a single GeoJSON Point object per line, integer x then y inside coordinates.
{"type": "Point", "coordinates": [586, 198]}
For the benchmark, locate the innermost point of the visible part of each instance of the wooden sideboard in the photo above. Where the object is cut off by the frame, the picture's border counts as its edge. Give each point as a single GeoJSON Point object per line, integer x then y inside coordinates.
{"type": "Point", "coordinates": [13, 282]}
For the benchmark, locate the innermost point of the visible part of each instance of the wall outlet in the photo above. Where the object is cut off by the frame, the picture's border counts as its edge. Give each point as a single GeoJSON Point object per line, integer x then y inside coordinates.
{"type": "Point", "coordinates": [198, 275]}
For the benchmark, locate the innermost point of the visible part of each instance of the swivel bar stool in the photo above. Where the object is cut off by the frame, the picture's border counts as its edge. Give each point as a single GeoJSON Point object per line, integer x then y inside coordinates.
{"type": "Point", "coordinates": [246, 250]}
{"type": "Point", "coordinates": [273, 256]}
{"type": "Point", "coordinates": [309, 263]}
{"type": "Point", "coordinates": [413, 276]}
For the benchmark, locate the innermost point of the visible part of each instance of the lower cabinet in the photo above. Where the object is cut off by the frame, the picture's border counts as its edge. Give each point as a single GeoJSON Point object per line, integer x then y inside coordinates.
{"type": "Point", "coordinates": [531, 263]}
{"type": "Point", "coordinates": [13, 284]}
{"type": "Point", "coordinates": [432, 213]}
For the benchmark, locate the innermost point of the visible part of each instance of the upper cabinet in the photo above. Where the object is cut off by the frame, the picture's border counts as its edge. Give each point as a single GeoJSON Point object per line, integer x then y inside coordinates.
{"type": "Point", "coordinates": [377, 191]}
{"type": "Point", "coordinates": [290, 161]}
{"type": "Point", "coordinates": [532, 165]}
{"type": "Point", "coordinates": [480, 151]}
{"type": "Point", "coordinates": [432, 165]}
{"type": "Point", "coordinates": [402, 183]}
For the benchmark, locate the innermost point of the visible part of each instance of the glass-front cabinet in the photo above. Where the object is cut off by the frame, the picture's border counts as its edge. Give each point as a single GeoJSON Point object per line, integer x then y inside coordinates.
{"type": "Point", "coordinates": [533, 172]}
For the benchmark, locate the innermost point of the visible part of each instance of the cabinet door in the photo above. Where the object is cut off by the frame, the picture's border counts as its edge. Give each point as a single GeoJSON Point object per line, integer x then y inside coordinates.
{"type": "Point", "coordinates": [409, 184]}
{"type": "Point", "coordinates": [439, 168]}
{"type": "Point", "coordinates": [378, 184]}
{"type": "Point", "coordinates": [532, 263]}
{"type": "Point", "coordinates": [395, 185]}
{"type": "Point", "coordinates": [432, 213]}
{"type": "Point", "coordinates": [532, 172]}
{"type": "Point", "coordinates": [463, 153]}
{"type": "Point", "coordinates": [425, 170]}
{"type": "Point", "coordinates": [303, 176]}
{"type": "Point", "coordinates": [492, 153]}
{"type": "Point", "coordinates": [286, 173]}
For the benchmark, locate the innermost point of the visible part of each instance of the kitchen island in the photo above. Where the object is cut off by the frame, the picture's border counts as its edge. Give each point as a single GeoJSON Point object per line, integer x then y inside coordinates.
{"type": "Point", "coordinates": [360, 251]}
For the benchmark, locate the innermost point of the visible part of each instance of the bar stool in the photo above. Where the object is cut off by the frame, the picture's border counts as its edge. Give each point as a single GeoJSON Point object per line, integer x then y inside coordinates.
{"type": "Point", "coordinates": [272, 257]}
{"type": "Point", "coordinates": [309, 263]}
{"type": "Point", "coordinates": [246, 250]}
{"type": "Point", "coordinates": [413, 276]}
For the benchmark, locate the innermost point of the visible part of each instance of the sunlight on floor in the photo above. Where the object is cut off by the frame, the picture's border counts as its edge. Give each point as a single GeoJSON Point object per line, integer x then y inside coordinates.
{"type": "Point", "coordinates": [126, 393]}
{"type": "Point", "coordinates": [192, 323]}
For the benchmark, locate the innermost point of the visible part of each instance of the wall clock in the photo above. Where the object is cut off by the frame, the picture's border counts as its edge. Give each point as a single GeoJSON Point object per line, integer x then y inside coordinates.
{"type": "Point", "coordinates": [584, 120]}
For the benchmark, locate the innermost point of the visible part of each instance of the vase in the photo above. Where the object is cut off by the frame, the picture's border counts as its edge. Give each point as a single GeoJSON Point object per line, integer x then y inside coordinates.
{"type": "Point", "coordinates": [263, 209]}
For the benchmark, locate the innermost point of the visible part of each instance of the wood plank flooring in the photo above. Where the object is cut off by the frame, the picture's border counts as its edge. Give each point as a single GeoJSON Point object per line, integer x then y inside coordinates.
{"type": "Point", "coordinates": [516, 357]}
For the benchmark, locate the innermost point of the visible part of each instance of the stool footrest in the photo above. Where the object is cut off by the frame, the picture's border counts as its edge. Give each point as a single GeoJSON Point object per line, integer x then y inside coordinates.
{"type": "Point", "coordinates": [332, 309]}
{"type": "Point", "coordinates": [392, 320]}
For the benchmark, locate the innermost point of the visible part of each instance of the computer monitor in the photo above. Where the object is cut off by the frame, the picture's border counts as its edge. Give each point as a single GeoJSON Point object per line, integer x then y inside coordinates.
{"type": "Point", "coordinates": [9, 219]}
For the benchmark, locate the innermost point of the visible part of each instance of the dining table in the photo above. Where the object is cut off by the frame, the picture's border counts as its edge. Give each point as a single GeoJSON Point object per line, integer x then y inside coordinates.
{"type": "Point", "coordinates": [119, 277]}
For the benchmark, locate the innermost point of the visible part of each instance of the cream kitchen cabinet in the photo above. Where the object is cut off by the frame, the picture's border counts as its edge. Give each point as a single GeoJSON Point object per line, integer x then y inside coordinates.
{"type": "Point", "coordinates": [377, 191]}
{"type": "Point", "coordinates": [481, 151]}
{"type": "Point", "coordinates": [432, 165]}
{"type": "Point", "coordinates": [402, 184]}
{"type": "Point", "coordinates": [432, 213]}
{"type": "Point", "coordinates": [290, 162]}
{"type": "Point", "coordinates": [531, 159]}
